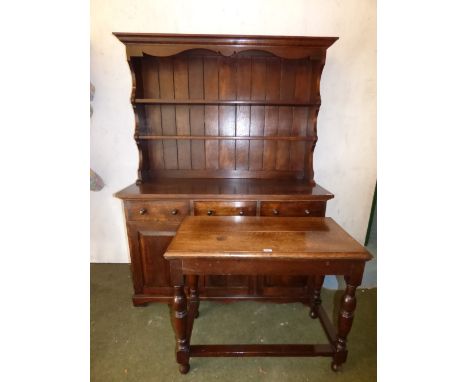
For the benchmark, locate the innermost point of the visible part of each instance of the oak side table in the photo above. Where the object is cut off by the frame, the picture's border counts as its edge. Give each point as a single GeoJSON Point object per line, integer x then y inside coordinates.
{"type": "Point", "coordinates": [210, 245]}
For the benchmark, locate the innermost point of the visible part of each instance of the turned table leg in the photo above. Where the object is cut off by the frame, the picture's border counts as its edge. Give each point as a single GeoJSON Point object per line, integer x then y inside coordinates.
{"type": "Point", "coordinates": [315, 300]}
{"type": "Point", "coordinates": [345, 320]}
{"type": "Point", "coordinates": [179, 318]}
{"type": "Point", "coordinates": [194, 296]}
{"type": "Point", "coordinates": [194, 302]}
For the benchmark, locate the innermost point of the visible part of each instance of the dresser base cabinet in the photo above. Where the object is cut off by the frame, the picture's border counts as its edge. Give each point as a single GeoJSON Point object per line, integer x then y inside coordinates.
{"type": "Point", "coordinates": [154, 211]}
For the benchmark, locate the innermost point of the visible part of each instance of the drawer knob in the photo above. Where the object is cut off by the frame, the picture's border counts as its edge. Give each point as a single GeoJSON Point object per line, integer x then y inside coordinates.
{"type": "Point", "coordinates": [241, 213]}
{"type": "Point", "coordinates": [210, 212]}
{"type": "Point", "coordinates": [143, 211]}
{"type": "Point", "coordinates": [307, 212]}
{"type": "Point", "coordinates": [275, 212]}
{"type": "Point", "coordinates": [175, 211]}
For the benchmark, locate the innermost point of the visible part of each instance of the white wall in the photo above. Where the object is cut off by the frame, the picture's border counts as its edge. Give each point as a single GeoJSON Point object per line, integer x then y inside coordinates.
{"type": "Point", "coordinates": [345, 156]}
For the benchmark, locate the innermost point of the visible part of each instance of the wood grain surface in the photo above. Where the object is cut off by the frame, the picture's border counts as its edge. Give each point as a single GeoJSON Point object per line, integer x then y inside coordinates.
{"type": "Point", "coordinates": [263, 238]}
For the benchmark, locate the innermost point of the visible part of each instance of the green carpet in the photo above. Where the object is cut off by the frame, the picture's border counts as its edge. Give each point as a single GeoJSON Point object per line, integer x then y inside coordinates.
{"type": "Point", "coordinates": [137, 344]}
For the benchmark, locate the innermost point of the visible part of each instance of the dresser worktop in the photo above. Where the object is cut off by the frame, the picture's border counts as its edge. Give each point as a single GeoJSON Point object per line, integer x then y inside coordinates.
{"type": "Point", "coordinates": [225, 189]}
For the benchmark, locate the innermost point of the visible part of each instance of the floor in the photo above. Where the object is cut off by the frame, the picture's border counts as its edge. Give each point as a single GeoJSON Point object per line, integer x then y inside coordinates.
{"type": "Point", "coordinates": [137, 344]}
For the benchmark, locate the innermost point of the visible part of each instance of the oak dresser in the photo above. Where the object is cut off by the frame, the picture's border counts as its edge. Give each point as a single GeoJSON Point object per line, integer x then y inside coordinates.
{"type": "Point", "coordinates": [225, 126]}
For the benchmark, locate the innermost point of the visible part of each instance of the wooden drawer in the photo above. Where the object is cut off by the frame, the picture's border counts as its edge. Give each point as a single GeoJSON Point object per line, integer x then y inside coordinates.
{"type": "Point", "coordinates": [164, 211]}
{"type": "Point", "coordinates": [298, 208]}
{"type": "Point", "coordinates": [225, 208]}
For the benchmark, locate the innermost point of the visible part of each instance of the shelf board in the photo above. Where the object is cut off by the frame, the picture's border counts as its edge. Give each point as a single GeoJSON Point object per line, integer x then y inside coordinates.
{"type": "Point", "coordinates": [165, 101]}
{"type": "Point", "coordinates": [217, 137]}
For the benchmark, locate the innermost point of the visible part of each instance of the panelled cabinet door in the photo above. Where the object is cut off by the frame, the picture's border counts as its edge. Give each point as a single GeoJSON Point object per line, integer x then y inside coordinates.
{"type": "Point", "coordinates": [151, 274]}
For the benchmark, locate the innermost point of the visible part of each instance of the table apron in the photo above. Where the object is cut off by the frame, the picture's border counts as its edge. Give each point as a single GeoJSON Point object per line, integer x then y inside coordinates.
{"type": "Point", "coordinates": [270, 267]}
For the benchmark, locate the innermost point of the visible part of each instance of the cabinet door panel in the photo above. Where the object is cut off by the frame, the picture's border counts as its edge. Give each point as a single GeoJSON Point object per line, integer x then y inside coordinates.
{"type": "Point", "coordinates": [155, 268]}
{"type": "Point", "coordinates": [150, 271]}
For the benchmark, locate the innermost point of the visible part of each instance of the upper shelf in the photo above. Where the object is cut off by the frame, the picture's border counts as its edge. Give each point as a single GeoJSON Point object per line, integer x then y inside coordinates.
{"type": "Point", "coordinates": [163, 45]}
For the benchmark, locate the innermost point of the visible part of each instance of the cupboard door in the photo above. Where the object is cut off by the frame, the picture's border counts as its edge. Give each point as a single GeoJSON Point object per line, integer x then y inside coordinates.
{"type": "Point", "coordinates": [150, 271]}
{"type": "Point", "coordinates": [155, 268]}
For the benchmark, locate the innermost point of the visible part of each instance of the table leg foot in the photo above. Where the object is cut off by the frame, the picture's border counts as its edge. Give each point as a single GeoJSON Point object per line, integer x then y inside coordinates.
{"type": "Point", "coordinates": [315, 300]}
{"type": "Point", "coordinates": [335, 367]}
{"type": "Point", "coordinates": [184, 369]}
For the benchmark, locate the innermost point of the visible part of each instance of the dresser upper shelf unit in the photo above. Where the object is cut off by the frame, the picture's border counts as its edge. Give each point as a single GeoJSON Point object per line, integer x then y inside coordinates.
{"type": "Point", "coordinates": [225, 106]}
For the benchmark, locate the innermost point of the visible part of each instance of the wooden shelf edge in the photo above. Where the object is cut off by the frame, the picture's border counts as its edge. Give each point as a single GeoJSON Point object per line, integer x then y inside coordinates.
{"type": "Point", "coordinates": [164, 101]}
{"type": "Point", "coordinates": [217, 137]}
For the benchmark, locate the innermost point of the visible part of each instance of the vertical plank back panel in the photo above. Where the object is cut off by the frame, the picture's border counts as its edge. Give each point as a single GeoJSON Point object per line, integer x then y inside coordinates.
{"type": "Point", "coordinates": [244, 71]}
{"type": "Point", "coordinates": [257, 114]}
{"type": "Point", "coordinates": [227, 114]}
{"type": "Point", "coordinates": [273, 74]}
{"type": "Point", "coordinates": [197, 112]}
{"type": "Point", "coordinates": [198, 75]}
{"type": "Point", "coordinates": [210, 77]}
{"type": "Point", "coordinates": [150, 78]}
{"type": "Point", "coordinates": [181, 87]}
{"type": "Point", "coordinates": [141, 123]}
{"type": "Point", "coordinates": [287, 85]}
{"type": "Point", "coordinates": [299, 127]}
{"type": "Point", "coordinates": [166, 86]}
{"type": "Point", "coordinates": [302, 93]}
{"type": "Point", "coordinates": [155, 148]}
{"type": "Point", "coordinates": [303, 81]}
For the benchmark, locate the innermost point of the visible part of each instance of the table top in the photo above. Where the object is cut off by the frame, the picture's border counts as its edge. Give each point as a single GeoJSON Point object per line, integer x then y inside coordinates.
{"type": "Point", "coordinates": [254, 237]}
